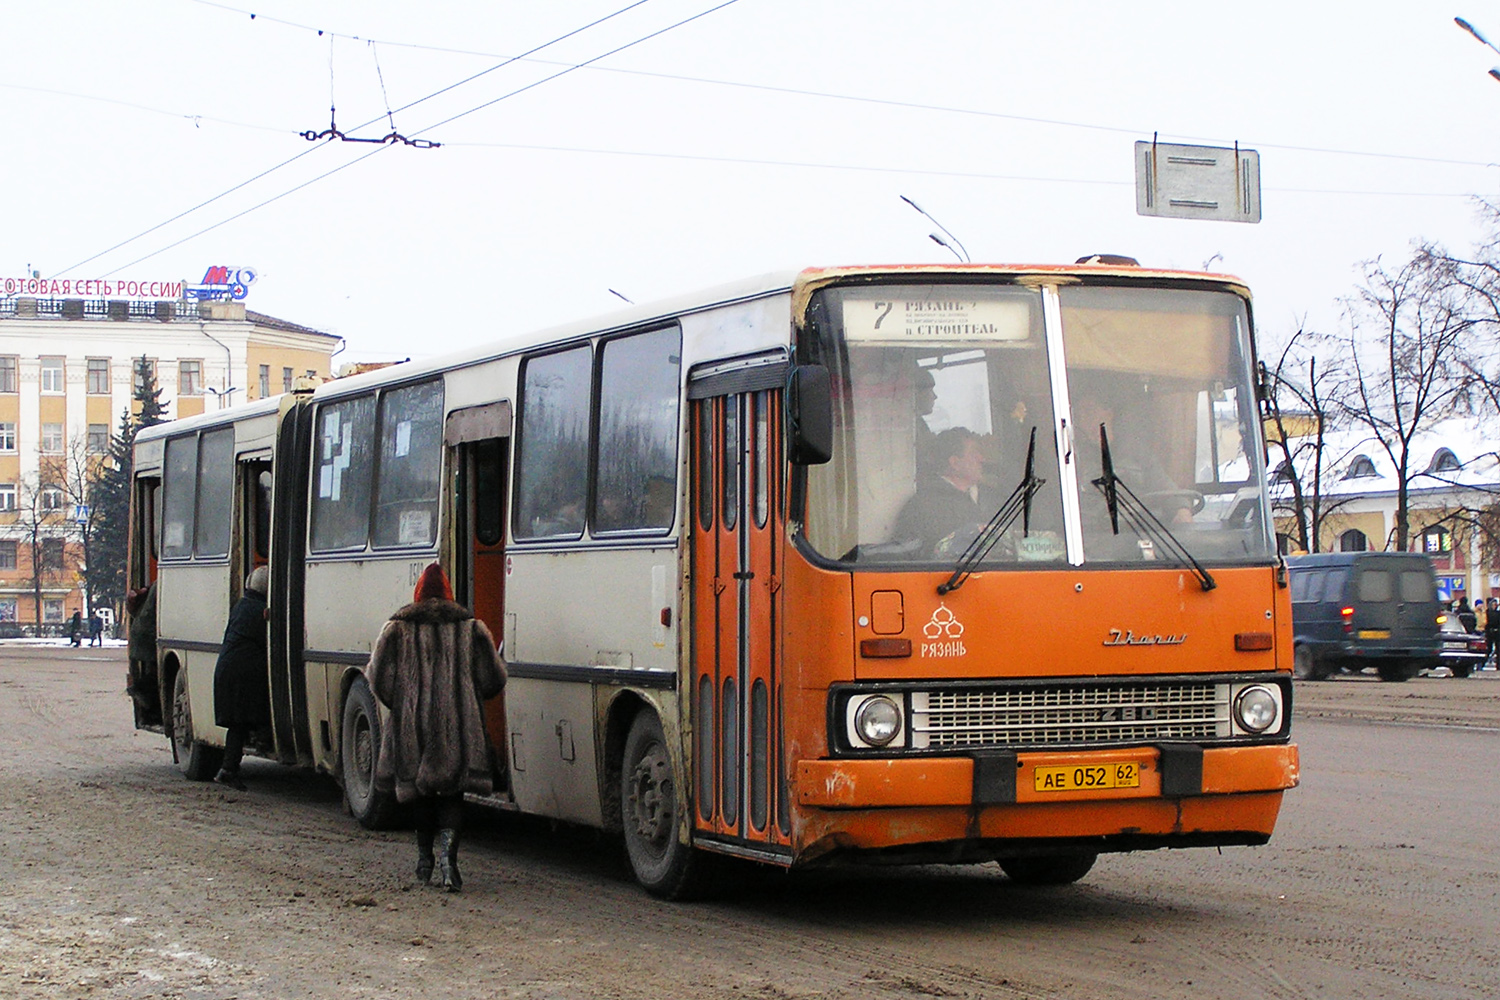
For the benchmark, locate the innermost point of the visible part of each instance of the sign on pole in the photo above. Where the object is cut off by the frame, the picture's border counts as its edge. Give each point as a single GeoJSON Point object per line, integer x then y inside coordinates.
{"type": "Point", "coordinates": [1174, 181]}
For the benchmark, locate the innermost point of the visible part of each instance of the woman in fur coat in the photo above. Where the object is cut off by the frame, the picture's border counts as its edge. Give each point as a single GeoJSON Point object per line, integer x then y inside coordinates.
{"type": "Point", "coordinates": [433, 667]}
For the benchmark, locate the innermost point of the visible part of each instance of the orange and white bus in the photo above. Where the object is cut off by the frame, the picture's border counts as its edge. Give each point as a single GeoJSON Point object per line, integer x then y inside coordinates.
{"type": "Point", "coordinates": [877, 564]}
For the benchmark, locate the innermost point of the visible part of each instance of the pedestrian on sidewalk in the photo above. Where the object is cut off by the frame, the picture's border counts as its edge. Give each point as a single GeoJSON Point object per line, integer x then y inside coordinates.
{"type": "Point", "coordinates": [433, 667]}
{"type": "Point", "coordinates": [75, 628]}
{"type": "Point", "coordinates": [96, 629]}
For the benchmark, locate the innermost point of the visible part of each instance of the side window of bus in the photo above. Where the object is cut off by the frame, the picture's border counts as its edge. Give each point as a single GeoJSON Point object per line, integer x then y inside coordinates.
{"type": "Point", "coordinates": [179, 484]}
{"type": "Point", "coordinates": [636, 485]}
{"type": "Point", "coordinates": [215, 493]}
{"type": "Point", "coordinates": [411, 456]}
{"type": "Point", "coordinates": [341, 475]}
{"type": "Point", "coordinates": [552, 471]}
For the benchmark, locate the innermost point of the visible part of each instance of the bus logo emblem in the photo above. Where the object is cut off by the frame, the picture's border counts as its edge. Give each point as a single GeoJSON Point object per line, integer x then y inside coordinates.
{"type": "Point", "coordinates": [944, 634]}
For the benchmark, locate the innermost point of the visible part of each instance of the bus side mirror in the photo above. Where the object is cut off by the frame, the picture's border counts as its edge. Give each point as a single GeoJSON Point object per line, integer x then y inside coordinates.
{"type": "Point", "coordinates": [809, 415]}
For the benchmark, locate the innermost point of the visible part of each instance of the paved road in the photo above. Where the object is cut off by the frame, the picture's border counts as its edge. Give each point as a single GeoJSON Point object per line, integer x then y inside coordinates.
{"type": "Point", "coordinates": [119, 879]}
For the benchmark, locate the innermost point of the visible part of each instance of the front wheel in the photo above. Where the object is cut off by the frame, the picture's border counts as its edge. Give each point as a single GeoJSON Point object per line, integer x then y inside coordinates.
{"type": "Point", "coordinates": [1061, 870]}
{"type": "Point", "coordinates": [649, 811]}
{"type": "Point", "coordinates": [359, 743]}
{"type": "Point", "coordinates": [197, 761]}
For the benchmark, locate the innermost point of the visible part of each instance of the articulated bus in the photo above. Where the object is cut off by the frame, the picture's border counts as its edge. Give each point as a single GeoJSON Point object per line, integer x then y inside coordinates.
{"type": "Point", "coordinates": [881, 564]}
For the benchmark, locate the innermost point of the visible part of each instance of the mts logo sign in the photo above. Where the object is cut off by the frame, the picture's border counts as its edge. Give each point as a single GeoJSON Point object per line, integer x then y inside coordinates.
{"type": "Point", "coordinates": [222, 283]}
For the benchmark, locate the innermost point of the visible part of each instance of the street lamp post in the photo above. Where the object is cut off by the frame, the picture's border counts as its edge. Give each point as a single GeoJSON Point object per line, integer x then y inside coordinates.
{"type": "Point", "coordinates": [1494, 71]}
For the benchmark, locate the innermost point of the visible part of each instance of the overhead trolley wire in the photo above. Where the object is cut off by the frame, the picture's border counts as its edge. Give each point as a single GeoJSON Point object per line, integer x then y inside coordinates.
{"type": "Point", "coordinates": [826, 95]}
{"type": "Point", "coordinates": [360, 159]}
{"type": "Point", "coordinates": [287, 162]}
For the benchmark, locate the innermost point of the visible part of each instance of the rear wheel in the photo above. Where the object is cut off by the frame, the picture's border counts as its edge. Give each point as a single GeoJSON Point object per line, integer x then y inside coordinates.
{"type": "Point", "coordinates": [1305, 665]}
{"type": "Point", "coordinates": [197, 761]}
{"type": "Point", "coordinates": [1061, 870]}
{"type": "Point", "coordinates": [358, 745]}
{"type": "Point", "coordinates": [649, 811]}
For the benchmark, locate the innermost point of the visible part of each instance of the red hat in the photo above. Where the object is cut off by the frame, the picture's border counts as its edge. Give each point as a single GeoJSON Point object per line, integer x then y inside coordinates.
{"type": "Point", "coordinates": [433, 584]}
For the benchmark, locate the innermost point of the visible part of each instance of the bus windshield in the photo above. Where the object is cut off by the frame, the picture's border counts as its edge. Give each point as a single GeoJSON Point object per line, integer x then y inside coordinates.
{"type": "Point", "coordinates": [947, 395]}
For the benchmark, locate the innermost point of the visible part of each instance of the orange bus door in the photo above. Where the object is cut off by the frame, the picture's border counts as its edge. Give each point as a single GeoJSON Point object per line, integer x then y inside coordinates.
{"type": "Point", "coordinates": [735, 698]}
{"type": "Point", "coordinates": [481, 574]}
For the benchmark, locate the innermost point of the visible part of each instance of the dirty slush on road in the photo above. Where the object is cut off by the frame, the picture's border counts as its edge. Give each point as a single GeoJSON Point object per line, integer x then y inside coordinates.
{"type": "Point", "coordinates": [118, 879]}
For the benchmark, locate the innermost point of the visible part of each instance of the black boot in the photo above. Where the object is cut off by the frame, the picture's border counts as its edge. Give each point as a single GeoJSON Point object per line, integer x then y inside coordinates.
{"type": "Point", "coordinates": [425, 860]}
{"type": "Point", "coordinates": [447, 850]}
{"type": "Point", "coordinates": [230, 778]}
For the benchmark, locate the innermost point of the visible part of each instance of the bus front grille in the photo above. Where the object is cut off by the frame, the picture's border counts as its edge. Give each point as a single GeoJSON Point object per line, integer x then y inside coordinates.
{"type": "Point", "coordinates": [1069, 714]}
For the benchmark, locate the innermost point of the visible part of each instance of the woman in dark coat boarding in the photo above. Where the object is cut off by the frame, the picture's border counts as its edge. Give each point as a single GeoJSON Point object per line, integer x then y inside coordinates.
{"type": "Point", "coordinates": [433, 667]}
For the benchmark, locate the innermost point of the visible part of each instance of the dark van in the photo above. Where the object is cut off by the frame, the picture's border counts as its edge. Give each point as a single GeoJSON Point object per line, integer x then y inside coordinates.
{"type": "Point", "coordinates": [1352, 610]}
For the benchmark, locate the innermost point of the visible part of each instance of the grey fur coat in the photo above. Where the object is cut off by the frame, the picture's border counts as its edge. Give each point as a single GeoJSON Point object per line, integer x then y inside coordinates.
{"type": "Point", "coordinates": [433, 666]}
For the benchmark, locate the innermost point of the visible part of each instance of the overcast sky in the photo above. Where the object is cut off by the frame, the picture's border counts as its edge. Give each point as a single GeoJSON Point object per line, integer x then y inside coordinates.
{"type": "Point", "coordinates": [763, 135]}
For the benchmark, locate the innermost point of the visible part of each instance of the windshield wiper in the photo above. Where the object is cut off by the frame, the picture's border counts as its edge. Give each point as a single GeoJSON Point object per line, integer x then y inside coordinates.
{"type": "Point", "coordinates": [1018, 504]}
{"type": "Point", "coordinates": [1120, 500]}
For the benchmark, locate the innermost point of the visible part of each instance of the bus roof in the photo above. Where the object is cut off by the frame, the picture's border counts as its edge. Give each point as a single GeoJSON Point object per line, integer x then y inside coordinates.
{"type": "Point", "coordinates": [801, 282]}
{"type": "Point", "coordinates": [211, 418]}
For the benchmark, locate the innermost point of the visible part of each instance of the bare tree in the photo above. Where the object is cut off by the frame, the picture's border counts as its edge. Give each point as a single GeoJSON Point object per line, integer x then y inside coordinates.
{"type": "Point", "coordinates": [76, 473]}
{"type": "Point", "coordinates": [1408, 351]}
{"type": "Point", "coordinates": [39, 517]}
{"type": "Point", "coordinates": [1304, 402]}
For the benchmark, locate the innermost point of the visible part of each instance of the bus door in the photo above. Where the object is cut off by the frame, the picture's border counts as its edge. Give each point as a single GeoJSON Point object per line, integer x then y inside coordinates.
{"type": "Point", "coordinates": [142, 680]}
{"type": "Point", "coordinates": [480, 442]}
{"type": "Point", "coordinates": [253, 483]}
{"type": "Point", "coordinates": [738, 783]}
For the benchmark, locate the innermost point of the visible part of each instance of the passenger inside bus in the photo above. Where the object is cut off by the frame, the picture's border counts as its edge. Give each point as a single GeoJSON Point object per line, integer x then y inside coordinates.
{"type": "Point", "coordinates": [944, 512]}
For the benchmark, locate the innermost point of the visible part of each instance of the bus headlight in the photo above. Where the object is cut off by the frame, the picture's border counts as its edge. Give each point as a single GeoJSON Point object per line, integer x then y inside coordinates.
{"type": "Point", "coordinates": [1257, 708]}
{"type": "Point", "coordinates": [878, 720]}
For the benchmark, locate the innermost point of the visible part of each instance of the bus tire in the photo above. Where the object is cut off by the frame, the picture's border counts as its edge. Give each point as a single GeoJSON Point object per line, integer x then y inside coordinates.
{"type": "Point", "coordinates": [359, 741]}
{"type": "Point", "coordinates": [196, 760]}
{"type": "Point", "coordinates": [650, 808]}
{"type": "Point", "coordinates": [1062, 869]}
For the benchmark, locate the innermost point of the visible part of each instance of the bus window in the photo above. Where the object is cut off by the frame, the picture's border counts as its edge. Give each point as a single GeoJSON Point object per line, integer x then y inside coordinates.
{"type": "Point", "coordinates": [260, 503]}
{"type": "Point", "coordinates": [215, 493]}
{"type": "Point", "coordinates": [636, 481]}
{"type": "Point", "coordinates": [1166, 373]}
{"type": "Point", "coordinates": [552, 478]}
{"type": "Point", "coordinates": [911, 363]}
{"type": "Point", "coordinates": [179, 483]}
{"type": "Point", "coordinates": [341, 476]}
{"type": "Point", "coordinates": [411, 454]}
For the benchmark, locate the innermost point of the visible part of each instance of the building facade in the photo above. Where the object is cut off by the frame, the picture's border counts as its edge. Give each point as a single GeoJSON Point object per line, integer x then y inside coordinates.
{"type": "Point", "coordinates": [1453, 506]}
{"type": "Point", "coordinates": [67, 375]}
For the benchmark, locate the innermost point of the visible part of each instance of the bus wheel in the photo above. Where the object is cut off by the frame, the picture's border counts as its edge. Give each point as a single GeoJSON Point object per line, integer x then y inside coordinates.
{"type": "Point", "coordinates": [197, 761]}
{"type": "Point", "coordinates": [649, 807]}
{"type": "Point", "coordinates": [359, 741]}
{"type": "Point", "coordinates": [1062, 870]}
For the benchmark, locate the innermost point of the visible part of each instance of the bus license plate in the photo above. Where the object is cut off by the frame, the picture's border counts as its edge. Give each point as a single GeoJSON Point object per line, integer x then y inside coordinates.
{"type": "Point", "coordinates": [1374, 633]}
{"type": "Point", "coordinates": [1087, 777]}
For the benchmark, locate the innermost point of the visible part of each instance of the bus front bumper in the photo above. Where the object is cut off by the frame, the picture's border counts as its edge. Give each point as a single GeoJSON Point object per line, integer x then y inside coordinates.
{"type": "Point", "coordinates": [1184, 796]}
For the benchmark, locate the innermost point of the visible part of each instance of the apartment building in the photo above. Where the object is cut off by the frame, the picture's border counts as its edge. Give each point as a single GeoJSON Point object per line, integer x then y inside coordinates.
{"type": "Point", "coordinates": [67, 372]}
